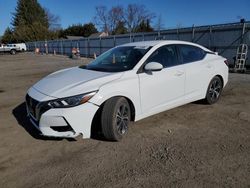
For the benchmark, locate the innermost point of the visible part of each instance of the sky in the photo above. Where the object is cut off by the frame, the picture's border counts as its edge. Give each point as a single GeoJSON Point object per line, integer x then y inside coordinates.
{"type": "Point", "coordinates": [184, 13]}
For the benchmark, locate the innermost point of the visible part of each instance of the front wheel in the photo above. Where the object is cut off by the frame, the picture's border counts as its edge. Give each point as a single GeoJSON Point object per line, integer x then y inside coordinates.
{"type": "Point", "coordinates": [214, 90]}
{"type": "Point", "coordinates": [115, 118]}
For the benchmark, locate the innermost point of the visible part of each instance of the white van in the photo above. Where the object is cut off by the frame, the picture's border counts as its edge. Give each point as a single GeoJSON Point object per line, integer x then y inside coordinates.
{"type": "Point", "coordinates": [22, 46]}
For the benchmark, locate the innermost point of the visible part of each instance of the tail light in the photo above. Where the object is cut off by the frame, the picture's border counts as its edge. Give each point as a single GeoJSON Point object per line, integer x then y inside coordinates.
{"type": "Point", "coordinates": [226, 62]}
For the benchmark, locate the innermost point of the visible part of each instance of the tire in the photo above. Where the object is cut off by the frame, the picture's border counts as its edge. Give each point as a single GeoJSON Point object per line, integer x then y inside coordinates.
{"type": "Point", "coordinates": [12, 52]}
{"type": "Point", "coordinates": [115, 118]}
{"type": "Point", "coordinates": [214, 90]}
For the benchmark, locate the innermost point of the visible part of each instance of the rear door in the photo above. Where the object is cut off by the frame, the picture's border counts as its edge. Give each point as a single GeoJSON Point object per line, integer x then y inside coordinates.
{"type": "Point", "coordinates": [158, 89]}
{"type": "Point", "coordinates": [197, 69]}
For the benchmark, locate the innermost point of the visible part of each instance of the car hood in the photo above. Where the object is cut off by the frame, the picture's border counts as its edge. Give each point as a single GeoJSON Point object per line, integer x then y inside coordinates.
{"type": "Point", "coordinates": [73, 81]}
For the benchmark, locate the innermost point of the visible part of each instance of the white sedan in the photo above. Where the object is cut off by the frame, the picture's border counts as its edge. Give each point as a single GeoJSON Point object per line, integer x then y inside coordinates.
{"type": "Point", "coordinates": [127, 83]}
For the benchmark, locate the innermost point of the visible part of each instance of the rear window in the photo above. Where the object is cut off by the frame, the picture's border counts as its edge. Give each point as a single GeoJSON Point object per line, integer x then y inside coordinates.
{"type": "Point", "coordinates": [191, 53]}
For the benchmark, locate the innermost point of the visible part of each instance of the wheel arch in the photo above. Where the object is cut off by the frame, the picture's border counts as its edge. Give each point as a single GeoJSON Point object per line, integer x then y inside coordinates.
{"type": "Point", "coordinates": [221, 78]}
{"type": "Point", "coordinates": [96, 121]}
{"type": "Point", "coordinates": [130, 102]}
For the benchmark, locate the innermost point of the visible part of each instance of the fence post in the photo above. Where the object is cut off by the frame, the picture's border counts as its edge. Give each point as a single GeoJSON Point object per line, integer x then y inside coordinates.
{"type": "Point", "coordinates": [61, 42]}
{"type": "Point", "coordinates": [143, 37]}
{"type": "Point", "coordinates": [100, 46]}
{"type": "Point", "coordinates": [210, 37]}
{"type": "Point", "coordinates": [78, 47]}
{"type": "Point", "coordinates": [88, 50]}
{"type": "Point", "coordinates": [46, 47]}
{"type": "Point", "coordinates": [71, 46]}
{"type": "Point", "coordinates": [243, 32]}
{"type": "Point", "coordinates": [86, 47]}
{"type": "Point", "coordinates": [114, 41]}
{"type": "Point", "coordinates": [177, 32]}
{"type": "Point", "coordinates": [58, 47]}
{"type": "Point", "coordinates": [193, 32]}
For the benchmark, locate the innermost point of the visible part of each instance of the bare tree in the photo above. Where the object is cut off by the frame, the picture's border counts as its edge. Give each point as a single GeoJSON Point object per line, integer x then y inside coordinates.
{"type": "Point", "coordinates": [108, 20]}
{"type": "Point", "coordinates": [159, 24]}
{"type": "Point", "coordinates": [115, 17]}
{"type": "Point", "coordinates": [54, 20]}
{"type": "Point", "coordinates": [102, 18]}
{"type": "Point", "coordinates": [135, 14]}
{"type": "Point", "coordinates": [132, 17]}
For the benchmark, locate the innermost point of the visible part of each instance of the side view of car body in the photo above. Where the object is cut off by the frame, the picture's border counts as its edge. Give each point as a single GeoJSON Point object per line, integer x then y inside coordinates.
{"type": "Point", "coordinates": [9, 48]}
{"type": "Point", "coordinates": [127, 83]}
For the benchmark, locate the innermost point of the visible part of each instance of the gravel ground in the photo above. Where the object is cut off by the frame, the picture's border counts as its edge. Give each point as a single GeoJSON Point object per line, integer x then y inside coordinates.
{"type": "Point", "coordinates": [195, 145]}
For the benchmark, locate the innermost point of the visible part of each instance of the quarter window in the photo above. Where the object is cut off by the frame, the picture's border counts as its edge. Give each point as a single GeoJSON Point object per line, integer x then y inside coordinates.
{"type": "Point", "coordinates": [165, 55]}
{"type": "Point", "coordinates": [191, 53]}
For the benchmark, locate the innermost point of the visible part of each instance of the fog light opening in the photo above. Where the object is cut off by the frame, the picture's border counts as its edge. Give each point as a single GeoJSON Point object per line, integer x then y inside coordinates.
{"type": "Point", "coordinates": [63, 128]}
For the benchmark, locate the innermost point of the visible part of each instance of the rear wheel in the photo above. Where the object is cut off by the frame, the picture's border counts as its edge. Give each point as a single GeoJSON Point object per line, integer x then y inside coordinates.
{"type": "Point", "coordinates": [214, 90]}
{"type": "Point", "coordinates": [115, 118]}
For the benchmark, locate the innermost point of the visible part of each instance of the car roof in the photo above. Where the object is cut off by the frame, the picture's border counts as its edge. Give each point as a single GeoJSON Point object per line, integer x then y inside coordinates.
{"type": "Point", "coordinates": [163, 42]}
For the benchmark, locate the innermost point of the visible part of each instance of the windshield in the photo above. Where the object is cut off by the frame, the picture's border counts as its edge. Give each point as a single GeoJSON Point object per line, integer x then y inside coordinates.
{"type": "Point", "coordinates": [118, 59]}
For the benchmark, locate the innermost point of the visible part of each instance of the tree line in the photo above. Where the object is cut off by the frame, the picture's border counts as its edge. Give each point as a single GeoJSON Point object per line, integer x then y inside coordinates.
{"type": "Point", "coordinates": [32, 22]}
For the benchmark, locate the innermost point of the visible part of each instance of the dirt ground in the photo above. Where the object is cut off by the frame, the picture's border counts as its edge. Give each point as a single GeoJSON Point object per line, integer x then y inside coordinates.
{"type": "Point", "coordinates": [195, 145]}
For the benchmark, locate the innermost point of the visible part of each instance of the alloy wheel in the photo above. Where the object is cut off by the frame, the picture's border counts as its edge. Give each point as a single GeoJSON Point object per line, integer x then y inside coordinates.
{"type": "Point", "coordinates": [215, 90]}
{"type": "Point", "coordinates": [122, 119]}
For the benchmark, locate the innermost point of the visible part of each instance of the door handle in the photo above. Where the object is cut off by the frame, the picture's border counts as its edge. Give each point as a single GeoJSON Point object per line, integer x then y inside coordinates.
{"type": "Point", "coordinates": [179, 73]}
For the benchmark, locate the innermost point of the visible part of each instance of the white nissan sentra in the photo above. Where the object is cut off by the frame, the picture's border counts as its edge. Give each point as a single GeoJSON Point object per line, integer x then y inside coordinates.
{"type": "Point", "coordinates": [127, 83]}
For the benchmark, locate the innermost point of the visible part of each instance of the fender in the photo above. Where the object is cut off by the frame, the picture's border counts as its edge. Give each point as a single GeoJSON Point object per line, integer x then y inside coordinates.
{"type": "Point", "coordinates": [121, 87]}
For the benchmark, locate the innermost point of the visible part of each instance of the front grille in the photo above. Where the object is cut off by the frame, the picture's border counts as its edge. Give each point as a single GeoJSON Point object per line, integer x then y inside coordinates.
{"type": "Point", "coordinates": [32, 106]}
{"type": "Point", "coordinates": [36, 108]}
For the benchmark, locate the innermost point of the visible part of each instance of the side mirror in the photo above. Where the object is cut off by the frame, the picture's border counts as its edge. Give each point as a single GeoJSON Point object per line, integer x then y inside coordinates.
{"type": "Point", "coordinates": [153, 66]}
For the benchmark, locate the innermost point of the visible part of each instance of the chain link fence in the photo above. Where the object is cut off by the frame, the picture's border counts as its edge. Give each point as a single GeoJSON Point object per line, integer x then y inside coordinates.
{"type": "Point", "coordinates": [222, 38]}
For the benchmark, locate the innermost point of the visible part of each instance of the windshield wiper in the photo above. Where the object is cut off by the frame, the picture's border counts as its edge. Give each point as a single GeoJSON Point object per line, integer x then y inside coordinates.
{"type": "Point", "coordinates": [97, 69]}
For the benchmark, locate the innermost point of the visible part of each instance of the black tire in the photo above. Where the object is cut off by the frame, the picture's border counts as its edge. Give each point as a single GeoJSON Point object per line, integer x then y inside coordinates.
{"type": "Point", "coordinates": [115, 118]}
{"type": "Point", "coordinates": [214, 90]}
{"type": "Point", "coordinates": [12, 52]}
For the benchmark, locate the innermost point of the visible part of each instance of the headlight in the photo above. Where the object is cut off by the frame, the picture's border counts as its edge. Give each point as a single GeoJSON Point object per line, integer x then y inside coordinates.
{"type": "Point", "coordinates": [71, 101]}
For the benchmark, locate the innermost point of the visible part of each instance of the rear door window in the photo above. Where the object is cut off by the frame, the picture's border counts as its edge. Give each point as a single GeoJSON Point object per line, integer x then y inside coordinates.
{"type": "Point", "coordinates": [191, 53]}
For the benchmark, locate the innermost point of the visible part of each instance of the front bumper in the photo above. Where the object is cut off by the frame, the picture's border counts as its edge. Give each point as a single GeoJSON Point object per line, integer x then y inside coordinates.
{"type": "Point", "coordinates": [64, 122]}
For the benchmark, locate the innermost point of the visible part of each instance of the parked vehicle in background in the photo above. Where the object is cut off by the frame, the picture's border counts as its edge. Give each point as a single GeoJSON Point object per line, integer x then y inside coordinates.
{"type": "Point", "coordinates": [127, 83]}
{"type": "Point", "coordinates": [22, 46]}
{"type": "Point", "coordinates": [9, 48]}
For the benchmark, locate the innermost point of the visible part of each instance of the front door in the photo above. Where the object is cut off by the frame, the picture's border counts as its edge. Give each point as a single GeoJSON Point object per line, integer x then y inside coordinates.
{"type": "Point", "coordinates": [160, 89]}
